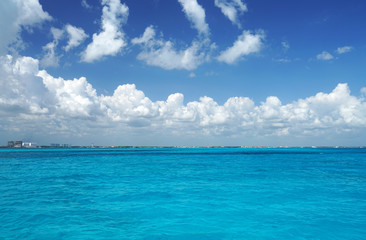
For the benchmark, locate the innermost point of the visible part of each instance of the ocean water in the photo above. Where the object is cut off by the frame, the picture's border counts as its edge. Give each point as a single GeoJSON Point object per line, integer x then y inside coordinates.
{"type": "Point", "coordinates": [183, 194]}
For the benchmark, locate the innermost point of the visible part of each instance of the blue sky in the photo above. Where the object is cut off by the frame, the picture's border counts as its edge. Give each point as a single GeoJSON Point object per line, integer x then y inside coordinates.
{"type": "Point", "coordinates": [239, 72]}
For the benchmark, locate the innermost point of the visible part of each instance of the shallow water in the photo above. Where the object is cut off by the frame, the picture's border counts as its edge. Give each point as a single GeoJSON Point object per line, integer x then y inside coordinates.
{"type": "Point", "coordinates": [183, 194]}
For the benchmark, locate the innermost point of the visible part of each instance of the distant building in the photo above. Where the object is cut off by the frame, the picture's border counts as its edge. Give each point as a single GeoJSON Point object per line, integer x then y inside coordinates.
{"type": "Point", "coordinates": [18, 144]}
{"type": "Point", "coordinates": [28, 145]}
{"type": "Point", "coordinates": [21, 144]}
{"type": "Point", "coordinates": [58, 145]}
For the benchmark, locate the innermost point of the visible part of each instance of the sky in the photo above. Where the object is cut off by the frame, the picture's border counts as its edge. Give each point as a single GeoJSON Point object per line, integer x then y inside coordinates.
{"type": "Point", "coordinates": [183, 72]}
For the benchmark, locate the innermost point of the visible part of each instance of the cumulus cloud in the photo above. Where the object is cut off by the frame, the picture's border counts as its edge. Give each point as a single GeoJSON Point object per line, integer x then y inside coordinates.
{"type": "Point", "coordinates": [344, 49]}
{"type": "Point", "coordinates": [73, 98]}
{"type": "Point", "coordinates": [196, 14]}
{"type": "Point", "coordinates": [231, 9]}
{"type": "Point", "coordinates": [21, 90]}
{"type": "Point", "coordinates": [160, 53]}
{"type": "Point", "coordinates": [76, 36]}
{"type": "Point", "coordinates": [29, 95]}
{"type": "Point", "coordinates": [16, 15]}
{"type": "Point", "coordinates": [324, 56]}
{"type": "Point", "coordinates": [246, 44]}
{"type": "Point", "coordinates": [129, 105]}
{"type": "Point", "coordinates": [110, 40]}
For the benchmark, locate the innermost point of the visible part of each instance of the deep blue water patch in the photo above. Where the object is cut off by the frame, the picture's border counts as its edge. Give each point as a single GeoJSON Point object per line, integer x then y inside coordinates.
{"type": "Point", "coordinates": [183, 193]}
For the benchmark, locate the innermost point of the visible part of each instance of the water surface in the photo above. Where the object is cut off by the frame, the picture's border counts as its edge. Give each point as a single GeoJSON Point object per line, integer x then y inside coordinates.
{"type": "Point", "coordinates": [183, 194]}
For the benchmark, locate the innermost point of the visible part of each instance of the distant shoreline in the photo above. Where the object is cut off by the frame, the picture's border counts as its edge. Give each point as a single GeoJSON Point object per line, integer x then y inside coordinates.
{"type": "Point", "coordinates": [177, 147]}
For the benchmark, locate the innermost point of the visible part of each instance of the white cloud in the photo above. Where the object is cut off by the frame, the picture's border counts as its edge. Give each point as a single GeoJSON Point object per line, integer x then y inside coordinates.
{"type": "Point", "coordinates": [110, 40]}
{"type": "Point", "coordinates": [344, 49]}
{"type": "Point", "coordinates": [231, 8]}
{"type": "Point", "coordinates": [192, 75]}
{"type": "Point", "coordinates": [363, 91]}
{"type": "Point", "coordinates": [149, 34]}
{"type": "Point", "coordinates": [16, 15]}
{"type": "Point", "coordinates": [283, 60]}
{"type": "Point", "coordinates": [34, 99]}
{"type": "Point", "coordinates": [73, 98]}
{"type": "Point", "coordinates": [211, 74]}
{"type": "Point", "coordinates": [21, 90]}
{"type": "Point", "coordinates": [160, 53]}
{"type": "Point", "coordinates": [85, 4]}
{"type": "Point", "coordinates": [127, 104]}
{"type": "Point", "coordinates": [324, 56]}
{"type": "Point", "coordinates": [57, 33]}
{"type": "Point", "coordinates": [169, 58]}
{"type": "Point", "coordinates": [30, 12]}
{"type": "Point", "coordinates": [196, 14]}
{"type": "Point", "coordinates": [246, 44]}
{"type": "Point", "coordinates": [50, 58]}
{"type": "Point", "coordinates": [76, 36]}
{"type": "Point", "coordinates": [285, 45]}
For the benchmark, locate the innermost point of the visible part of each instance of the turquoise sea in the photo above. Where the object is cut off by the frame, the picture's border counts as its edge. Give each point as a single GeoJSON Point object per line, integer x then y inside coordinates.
{"type": "Point", "coordinates": [181, 194]}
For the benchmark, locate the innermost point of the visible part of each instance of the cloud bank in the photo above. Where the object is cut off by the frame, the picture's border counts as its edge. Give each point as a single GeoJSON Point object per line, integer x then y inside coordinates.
{"type": "Point", "coordinates": [34, 102]}
{"type": "Point", "coordinates": [32, 97]}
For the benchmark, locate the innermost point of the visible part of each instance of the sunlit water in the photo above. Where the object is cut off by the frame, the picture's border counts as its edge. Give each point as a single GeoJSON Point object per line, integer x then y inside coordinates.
{"type": "Point", "coordinates": [183, 194]}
